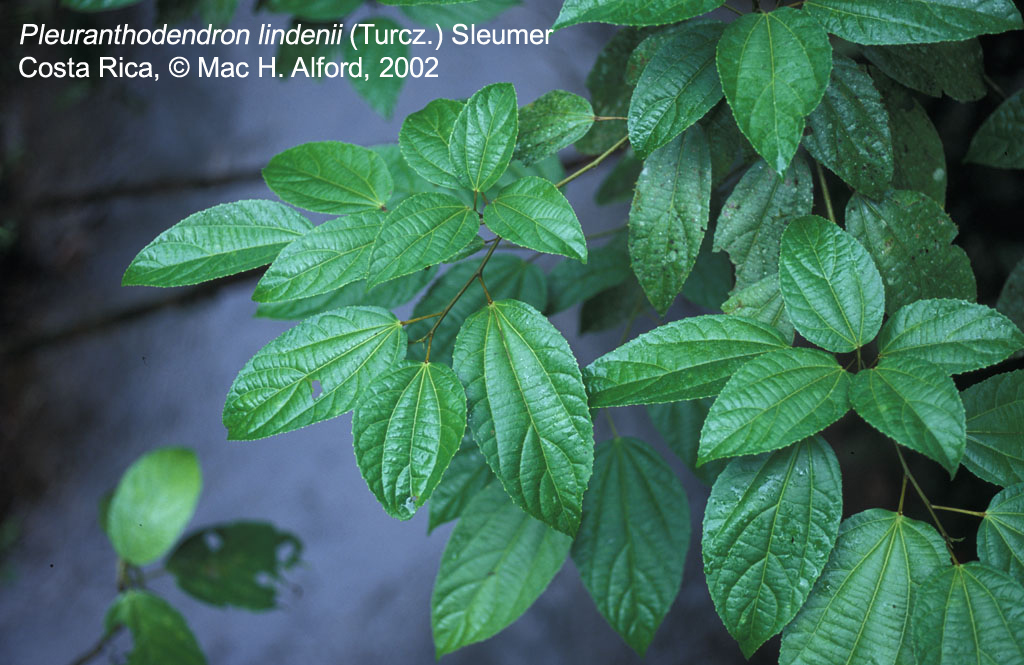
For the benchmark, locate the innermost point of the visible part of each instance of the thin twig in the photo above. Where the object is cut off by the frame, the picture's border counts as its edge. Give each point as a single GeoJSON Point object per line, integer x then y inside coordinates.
{"type": "Point", "coordinates": [733, 10]}
{"type": "Point", "coordinates": [964, 511]}
{"type": "Point", "coordinates": [97, 648]}
{"type": "Point", "coordinates": [409, 322]}
{"type": "Point", "coordinates": [995, 86]}
{"type": "Point", "coordinates": [602, 118]}
{"type": "Point", "coordinates": [611, 423]}
{"type": "Point", "coordinates": [593, 163]}
{"type": "Point", "coordinates": [609, 232]}
{"type": "Point", "coordinates": [903, 494]}
{"type": "Point", "coordinates": [927, 504]}
{"type": "Point", "coordinates": [825, 193]}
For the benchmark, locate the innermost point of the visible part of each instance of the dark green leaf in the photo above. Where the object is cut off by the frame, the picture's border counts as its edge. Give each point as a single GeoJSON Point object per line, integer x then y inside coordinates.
{"type": "Point", "coordinates": [466, 476]}
{"type": "Point", "coordinates": [484, 136]}
{"type": "Point", "coordinates": [394, 293]}
{"type": "Point", "coordinates": [618, 185]}
{"type": "Point", "coordinates": [551, 122]}
{"type": "Point", "coordinates": [531, 212]}
{"type": "Point", "coordinates": [954, 68]}
{"type": "Point", "coordinates": [609, 92]}
{"type": "Point", "coordinates": [1000, 140]}
{"type": "Point", "coordinates": [330, 176]}
{"type": "Point", "coordinates": [97, 5]}
{"type": "Point", "coordinates": [570, 281]}
{"type": "Point", "coordinates": [612, 307]}
{"type": "Point", "coordinates": [762, 301]}
{"type": "Point", "coordinates": [1001, 534]}
{"type": "Point", "coordinates": [626, 12]}
{"type": "Point", "coordinates": [425, 140]}
{"type": "Point", "coordinates": [710, 280]}
{"type": "Point", "coordinates": [679, 423]}
{"type": "Point", "coordinates": [1011, 298]}
{"type": "Point", "coordinates": [913, 21]}
{"type": "Point", "coordinates": [995, 428]}
{"type": "Point", "coordinates": [159, 633]}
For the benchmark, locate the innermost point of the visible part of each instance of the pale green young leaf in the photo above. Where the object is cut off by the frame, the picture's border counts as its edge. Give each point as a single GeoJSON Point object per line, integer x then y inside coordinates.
{"type": "Point", "coordinates": [374, 42]}
{"type": "Point", "coordinates": [859, 609]}
{"type": "Point", "coordinates": [571, 282]}
{"type": "Point", "coordinates": [626, 12]}
{"type": "Point", "coordinates": [153, 503]}
{"type": "Point", "coordinates": [425, 138]}
{"type": "Point", "coordinates": [762, 301]}
{"type": "Point", "coordinates": [995, 428]}
{"type": "Point", "coordinates": [913, 21]}
{"type": "Point", "coordinates": [610, 92]}
{"type": "Point", "coordinates": [998, 142]}
{"type": "Point", "coordinates": [551, 122]}
{"type": "Point", "coordinates": [685, 359]}
{"type": "Point", "coordinates": [1011, 297]}
{"type": "Point", "coordinates": [953, 68]}
{"type": "Point", "coordinates": [528, 409]}
{"type": "Point", "coordinates": [330, 176]}
{"type": "Point", "coordinates": [497, 562]}
{"type": "Point", "coordinates": [679, 425]}
{"type": "Point", "coordinates": [916, 404]}
{"type": "Point", "coordinates": [343, 351]}
{"type": "Point", "coordinates": [774, 69]}
{"type": "Point", "coordinates": [159, 633]}
{"type": "Point", "coordinates": [769, 527]}
{"type": "Point", "coordinates": [532, 213]}
{"type": "Point", "coordinates": [466, 476]}
{"type": "Point", "coordinates": [220, 241]}
{"type": "Point", "coordinates": [632, 543]}
{"type": "Point", "coordinates": [394, 293]}
{"type": "Point", "coordinates": [484, 136]}
{"type": "Point", "coordinates": [1001, 533]}
{"type": "Point", "coordinates": [774, 400]}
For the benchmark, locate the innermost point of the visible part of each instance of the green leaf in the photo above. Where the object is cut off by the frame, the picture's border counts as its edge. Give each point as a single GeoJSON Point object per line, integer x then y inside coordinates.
{"type": "Point", "coordinates": [626, 12]}
{"type": "Point", "coordinates": [238, 564]}
{"type": "Point", "coordinates": [97, 5]}
{"type": "Point", "coordinates": [969, 613]}
{"type": "Point", "coordinates": [769, 527]}
{"type": "Point", "coordinates": [528, 409]}
{"type": "Point", "coordinates": [610, 92]}
{"type": "Point", "coordinates": [220, 241]}
{"type": "Point", "coordinates": [1011, 298]}
{"type": "Point", "coordinates": [995, 428]}
{"type": "Point", "coordinates": [679, 424]}
{"type": "Point", "coordinates": [571, 282]}
{"type": "Point", "coordinates": [484, 136]}
{"type": "Point", "coordinates": [774, 400]}
{"type": "Point", "coordinates": [774, 68]}
{"type": "Point", "coordinates": [762, 301]}
{"type": "Point", "coordinates": [710, 280]}
{"type": "Point", "coordinates": [632, 543]}
{"type": "Point", "coordinates": [424, 230]}
{"type": "Point", "coordinates": [153, 503]}
{"type": "Point", "coordinates": [956, 335]}
{"type": "Point", "coordinates": [532, 213]}
{"type": "Point", "coordinates": [343, 351]}
{"type": "Point", "coordinates": [909, 235]}
{"type": "Point", "coordinates": [1001, 534]}
{"type": "Point", "coordinates": [849, 131]}
{"type": "Point", "coordinates": [685, 359]}
{"type": "Point", "coordinates": [551, 122]}
{"type": "Point", "coordinates": [730, 150]}
{"type": "Point", "coordinates": [467, 476]}
{"type": "Point", "coordinates": [669, 216]}
{"type": "Point", "coordinates": [375, 45]}
{"type": "Point", "coordinates": [618, 185]}
{"type": "Point", "coordinates": [953, 68]}
{"type": "Point", "coordinates": [916, 404]}
{"type": "Point", "coordinates": [833, 292]}
{"type": "Point", "coordinates": [506, 276]}
{"type": "Point", "coordinates": [406, 430]}
{"type": "Point", "coordinates": [612, 307]}
{"type": "Point", "coordinates": [394, 293]}
{"type": "Point", "coordinates": [998, 141]}
{"type": "Point", "coordinates": [497, 562]}
{"type": "Point", "coordinates": [330, 176]}
{"type": "Point", "coordinates": [314, 10]}
{"type": "Point", "coordinates": [913, 21]}
{"type": "Point", "coordinates": [407, 181]}
{"type": "Point", "coordinates": [425, 139]}
{"type": "Point", "coordinates": [677, 88]}
{"type": "Point", "coordinates": [327, 258]}
{"type": "Point", "coordinates": [478, 11]}
{"type": "Point", "coordinates": [159, 633]}
{"type": "Point", "coordinates": [754, 216]}
{"type": "Point", "coordinates": [859, 609]}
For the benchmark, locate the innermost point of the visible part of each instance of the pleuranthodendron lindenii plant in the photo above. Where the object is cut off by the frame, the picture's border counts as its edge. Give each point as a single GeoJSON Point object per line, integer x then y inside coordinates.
{"type": "Point", "coordinates": [883, 303]}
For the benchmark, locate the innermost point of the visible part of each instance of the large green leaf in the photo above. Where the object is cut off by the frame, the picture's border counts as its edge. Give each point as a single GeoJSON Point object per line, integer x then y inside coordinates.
{"type": "Point", "coordinates": [833, 292]}
{"type": "Point", "coordinates": [995, 428]}
{"type": "Point", "coordinates": [238, 564]}
{"type": "Point", "coordinates": [159, 633]}
{"type": "Point", "coordinates": [343, 351]}
{"type": "Point", "coordinates": [762, 301]}
{"type": "Point", "coordinates": [571, 282]}
{"type": "Point", "coordinates": [908, 235]}
{"type": "Point", "coordinates": [466, 476]}
{"type": "Point", "coordinates": [407, 181]}
{"type": "Point", "coordinates": [528, 409]}
{"type": "Point", "coordinates": [424, 230]}
{"type": "Point", "coordinates": [626, 12]}
{"type": "Point", "coordinates": [859, 609]}
{"type": "Point", "coordinates": [769, 527]}
{"type": "Point", "coordinates": [669, 216]}
{"type": "Point", "coordinates": [153, 503]}
{"type": "Point", "coordinates": [220, 241]}
{"type": "Point", "coordinates": [632, 542]}
{"type": "Point", "coordinates": [330, 176]}
{"type": "Point", "coordinates": [484, 136]}
{"type": "Point", "coordinates": [956, 335]}
{"type": "Point", "coordinates": [1001, 534]}
{"type": "Point", "coordinates": [685, 359]}
{"type": "Point", "coordinates": [916, 404]}
{"type": "Point", "coordinates": [497, 562]}
{"type": "Point", "coordinates": [610, 92]}
{"type": "Point", "coordinates": [913, 21]}
{"type": "Point", "coordinates": [774, 400]}
{"type": "Point", "coordinates": [551, 122]}
{"type": "Point", "coordinates": [531, 212]}
{"type": "Point", "coordinates": [425, 138]}
{"type": "Point", "coordinates": [999, 141]}
{"type": "Point", "coordinates": [373, 41]}
{"type": "Point", "coordinates": [774, 69]}
{"type": "Point", "coordinates": [677, 88]}
{"type": "Point", "coordinates": [754, 216]}
{"type": "Point", "coordinates": [406, 429]}
{"type": "Point", "coordinates": [849, 131]}
{"type": "Point", "coordinates": [679, 423]}
{"type": "Point", "coordinates": [969, 613]}
{"type": "Point", "coordinates": [954, 68]}
{"type": "Point", "coordinates": [394, 293]}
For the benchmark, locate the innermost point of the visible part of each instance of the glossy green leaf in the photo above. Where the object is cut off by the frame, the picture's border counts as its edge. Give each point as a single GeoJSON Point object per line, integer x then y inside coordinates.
{"type": "Point", "coordinates": [632, 542]}
{"type": "Point", "coordinates": [532, 213]}
{"type": "Point", "coordinates": [390, 295]}
{"type": "Point", "coordinates": [754, 216]}
{"type": "Point", "coordinates": [319, 369]}
{"type": "Point", "coordinates": [685, 359]}
{"type": "Point", "coordinates": [551, 122]}
{"type": "Point", "coordinates": [625, 12]}
{"type": "Point", "coordinates": [762, 301]}
{"type": "Point", "coordinates": [467, 476]}
{"type": "Point", "coordinates": [908, 235]}
{"type": "Point", "coordinates": [159, 633]}
{"type": "Point", "coordinates": [995, 428]}
{"type": "Point", "coordinates": [677, 88]}
{"type": "Point", "coordinates": [484, 136]}
{"type": "Point", "coordinates": [330, 176]}
{"type": "Point", "coordinates": [859, 609]}
{"type": "Point", "coordinates": [953, 68]}
{"type": "Point", "coordinates": [774, 69]}
{"type": "Point", "coordinates": [406, 429]}
{"type": "Point", "coordinates": [1001, 533]}
{"type": "Point", "coordinates": [956, 335]}
{"type": "Point", "coordinates": [769, 527]}
{"type": "Point", "coordinates": [679, 424]}
{"type": "Point", "coordinates": [217, 242]}
{"type": "Point", "coordinates": [424, 230]}
{"type": "Point", "coordinates": [240, 564]}
{"type": "Point", "coordinates": [610, 92]}
{"type": "Point", "coordinates": [425, 138]}
{"type": "Point", "coordinates": [374, 42]}
{"type": "Point", "coordinates": [407, 181]}
{"type": "Point", "coordinates": [913, 21]}
{"type": "Point", "coordinates": [571, 282]}
{"type": "Point", "coordinates": [528, 409]}
{"type": "Point", "coordinates": [833, 292]}
{"type": "Point", "coordinates": [477, 11]}
{"type": "Point", "coordinates": [999, 141]}
{"type": "Point", "coordinates": [916, 404]}
{"type": "Point", "coordinates": [1011, 297]}
{"type": "Point", "coordinates": [497, 562]}
{"type": "Point", "coordinates": [774, 400]}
